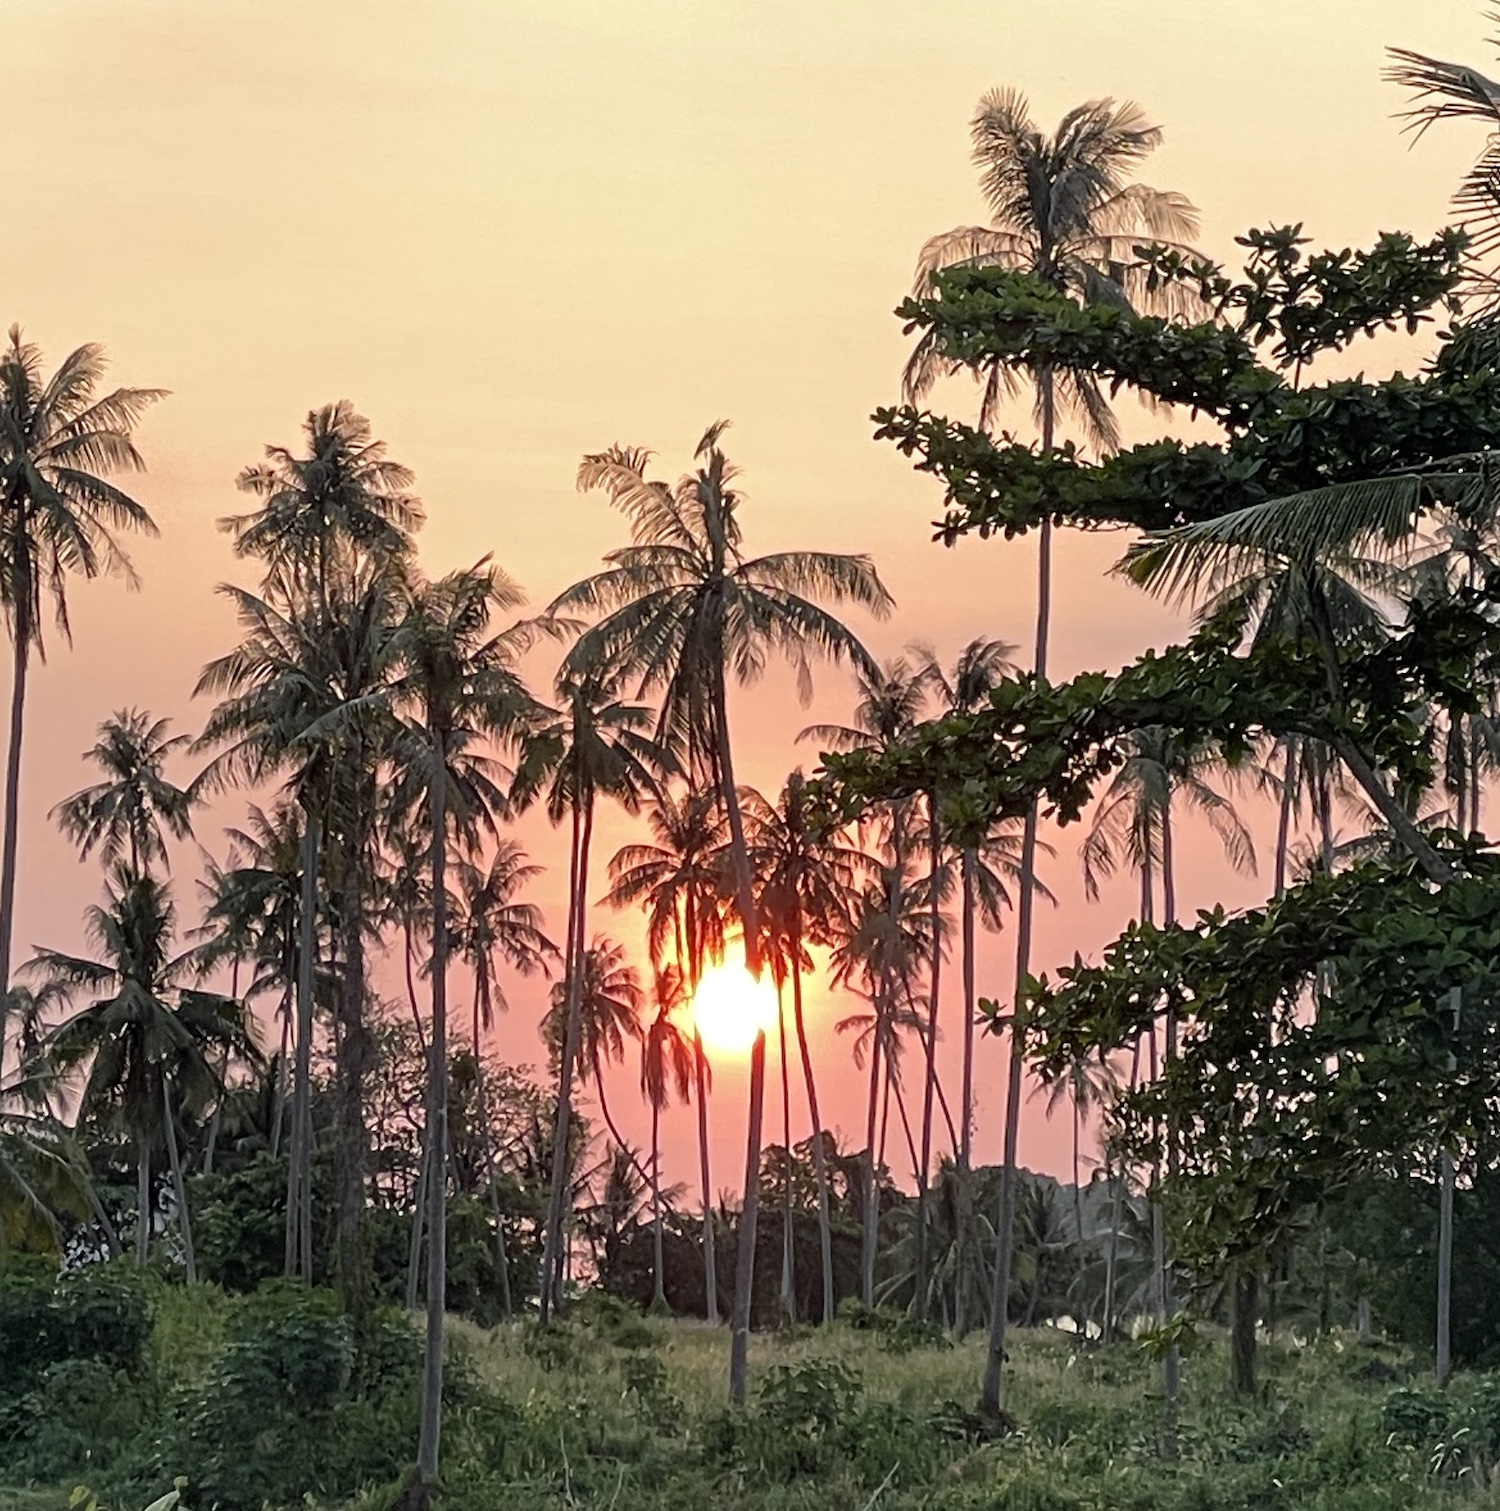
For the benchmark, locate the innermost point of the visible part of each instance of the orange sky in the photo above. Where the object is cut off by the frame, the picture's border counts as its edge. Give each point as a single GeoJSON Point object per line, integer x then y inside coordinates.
{"type": "Point", "coordinates": [514, 233]}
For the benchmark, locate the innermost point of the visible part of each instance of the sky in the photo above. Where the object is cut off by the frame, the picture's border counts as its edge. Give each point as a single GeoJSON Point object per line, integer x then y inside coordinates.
{"type": "Point", "coordinates": [511, 234]}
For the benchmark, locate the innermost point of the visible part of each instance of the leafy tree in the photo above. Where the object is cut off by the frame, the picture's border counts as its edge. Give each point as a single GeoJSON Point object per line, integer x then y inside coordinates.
{"type": "Point", "coordinates": [60, 438]}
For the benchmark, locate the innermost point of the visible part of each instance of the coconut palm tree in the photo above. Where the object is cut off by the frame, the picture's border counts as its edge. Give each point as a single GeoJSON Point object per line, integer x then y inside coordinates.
{"type": "Point", "coordinates": [681, 609]}
{"type": "Point", "coordinates": [130, 812]}
{"type": "Point", "coordinates": [43, 1178]}
{"type": "Point", "coordinates": [457, 689]}
{"type": "Point", "coordinates": [147, 1040]}
{"type": "Point", "coordinates": [595, 745]}
{"type": "Point", "coordinates": [666, 1068]}
{"type": "Point", "coordinates": [808, 879]}
{"type": "Point", "coordinates": [593, 1013]}
{"type": "Point", "coordinates": [60, 438]}
{"type": "Point", "coordinates": [1063, 209]}
{"type": "Point", "coordinates": [678, 878]}
{"type": "Point", "coordinates": [490, 924]}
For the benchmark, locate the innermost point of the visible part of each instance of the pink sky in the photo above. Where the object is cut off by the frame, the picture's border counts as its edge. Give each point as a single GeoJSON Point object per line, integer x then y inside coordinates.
{"type": "Point", "coordinates": [511, 234]}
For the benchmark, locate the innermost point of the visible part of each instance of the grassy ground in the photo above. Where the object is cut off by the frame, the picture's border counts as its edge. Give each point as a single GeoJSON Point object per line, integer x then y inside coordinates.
{"type": "Point", "coordinates": [617, 1412]}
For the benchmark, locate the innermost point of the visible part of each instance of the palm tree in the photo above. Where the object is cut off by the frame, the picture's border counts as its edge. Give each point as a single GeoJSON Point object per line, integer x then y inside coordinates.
{"type": "Point", "coordinates": [977, 669]}
{"type": "Point", "coordinates": [1088, 1086]}
{"type": "Point", "coordinates": [594, 746]}
{"type": "Point", "coordinates": [678, 878]}
{"type": "Point", "coordinates": [147, 1039]}
{"type": "Point", "coordinates": [489, 922]}
{"type": "Point", "coordinates": [457, 685]}
{"type": "Point", "coordinates": [59, 440]}
{"type": "Point", "coordinates": [890, 701]}
{"type": "Point", "coordinates": [881, 945]}
{"type": "Point", "coordinates": [807, 887]}
{"type": "Point", "coordinates": [666, 1067]}
{"type": "Point", "coordinates": [306, 693]}
{"type": "Point", "coordinates": [135, 807]}
{"type": "Point", "coordinates": [680, 609]}
{"type": "Point", "coordinates": [1062, 209]}
{"type": "Point", "coordinates": [593, 1013]}
{"type": "Point", "coordinates": [1455, 91]}
{"type": "Point", "coordinates": [43, 1177]}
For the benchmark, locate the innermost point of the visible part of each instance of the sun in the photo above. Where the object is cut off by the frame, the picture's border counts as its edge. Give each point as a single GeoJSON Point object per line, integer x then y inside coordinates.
{"type": "Point", "coordinates": [730, 1007]}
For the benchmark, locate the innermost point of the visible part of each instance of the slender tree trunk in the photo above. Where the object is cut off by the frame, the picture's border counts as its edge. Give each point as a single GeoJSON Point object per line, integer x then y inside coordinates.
{"type": "Point", "coordinates": [1242, 1347]}
{"type": "Point", "coordinates": [658, 1285]}
{"type": "Point", "coordinates": [744, 1264]}
{"type": "Point", "coordinates": [1077, 1177]}
{"type": "Point", "coordinates": [429, 1436]}
{"type": "Point", "coordinates": [418, 1226]}
{"type": "Point", "coordinates": [179, 1187]}
{"type": "Point", "coordinates": [902, 1112]}
{"type": "Point", "coordinates": [871, 1212]}
{"type": "Point", "coordinates": [992, 1388]}
{"type": "Point", "coordinates": [820, 1159]}
{"type": "Point", "coordinates": [278, 1117]}
{"type": "Point", "coordinates": [710, 1257]}
{"type": "Point", "coordinates": [929, 1078]}
{"type": "Point", "coordinates": [299, 1175]}
{"type": "Point", "coordinates": [502, 1263]}
{"type": "Point", "coordinates": [218, 1114]}
{"type": "Point", "coordinates": [1284, 816]}
{"type": "Point", "coordinates": [966, 1110]}
{"type": "Point", "coordinates": [352, 1056]}
{"type": "Point", "coordinates": [1445, 1235]}
{"type": "Point", "coordinates": [411, 989]}
{"type": "Point", "coordinates": [142, 1202]}
{"type": "Point", "coordinates": [20, 661]}
{"type": "Point", "coordinates": [788, 1259]}
{"type": "Point", "coordinates": [1172, 1360]}
{"type": "Point", "coordinates": [577, 915]}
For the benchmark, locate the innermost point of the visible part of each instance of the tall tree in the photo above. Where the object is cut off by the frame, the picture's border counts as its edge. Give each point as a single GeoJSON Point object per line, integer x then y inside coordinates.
{"type": "Point", "coordinates": [680, 609]}
{"type": "Point", "coordinates": [1063, 209]}
{"type": "Point", "coordinates": [808, 879]}
{"type": "Point", "coordinates": [594, 746]}
{"type": "Point", "coordinates": [457, 689]}
{"type": "Point", "coordinates": [305, 694]}
{"type": "Point", "coordinates": [148, 1042]}
{"type": "Point", "coordinates": [59, 517]}
{"type": "Point", "coordinates": [961, 690]}
{"type": "Point", "coordinates": [677, 877]}
{"type": "Point", "coordinates": [666, 1070]}
{"type": "Point", "coordinates": [130, 813]}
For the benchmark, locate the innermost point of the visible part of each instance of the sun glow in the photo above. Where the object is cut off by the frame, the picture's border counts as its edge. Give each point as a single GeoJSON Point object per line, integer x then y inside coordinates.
{"type": "Point", "coordinates": [730, 1007]}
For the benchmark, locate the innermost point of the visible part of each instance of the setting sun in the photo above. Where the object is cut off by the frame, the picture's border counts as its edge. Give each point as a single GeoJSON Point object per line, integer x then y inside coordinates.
{"type": "Point", "coordinates": [731, 1006]}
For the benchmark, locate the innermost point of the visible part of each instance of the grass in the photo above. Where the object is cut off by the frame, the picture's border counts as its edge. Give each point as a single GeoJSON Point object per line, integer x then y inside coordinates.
{"type": "Point", "coordinates": [616, 1411]}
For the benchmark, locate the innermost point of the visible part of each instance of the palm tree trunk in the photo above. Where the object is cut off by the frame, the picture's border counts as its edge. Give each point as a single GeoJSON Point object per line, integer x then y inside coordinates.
{"type": "Point", "coordinates": [429, 1436]}
{"type": "Point", "coordinates": [744, 1263]}
{"type": "Point", "coordinates": [710, 1257]}
{"type": "Point", "coordinates": [788, 1260]}
{"type": "Point", "coordinates": [1284, 818]}
{"type": "Point", "coordinates": [1445, 1234]}
{"type": "Point", "coordinates": [278, 1117]}
{"type": "Point", "coordinates": [351, 1060]}
{"type": "Point", "coordinates": [418, 1227]}
{"type": "Point", "coordinates": [411, 988]}
{"type": "Point", "coordinates": [142, 1201]}
{"type": "Point", "coordinates": [577, 906]}
{"type": "Point", "coordinates": [1172, 1360]}
{"type": "Point", "coordinates": [929, 1078]}
{"type": "Point", "coordinates": [218, 1114]}
{"type": "Point", "coordinates": [19, 663]}
{"type": "Point", "coordinates": [872, 1193]}
{"type": "Point", "coordinates": [992, 1387]}
{"type": "Point", "coordinates": [179, 1187]}
{"type": "Point", "coordinates": [1077, 1174]}
{"type": "Point", "coordinates": [658, 1286]}
{"type": "Point", "coordinates": [965, 1111]}
{"type": "Point", "coordinates": [901, 1111]}
{"type": "Point", "coordinates": [820, 1159]}
{"type": "Point", "coordinates": [299, 1174]}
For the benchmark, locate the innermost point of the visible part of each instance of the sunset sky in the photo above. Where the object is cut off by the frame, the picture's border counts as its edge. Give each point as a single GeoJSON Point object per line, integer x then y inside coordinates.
{"type": "Point", "coordinates": [511, 234]}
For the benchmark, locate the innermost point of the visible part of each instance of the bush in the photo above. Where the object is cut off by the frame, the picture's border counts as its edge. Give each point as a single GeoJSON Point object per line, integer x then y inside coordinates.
{"type": "Point", "coordinates": [282, 1412]}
